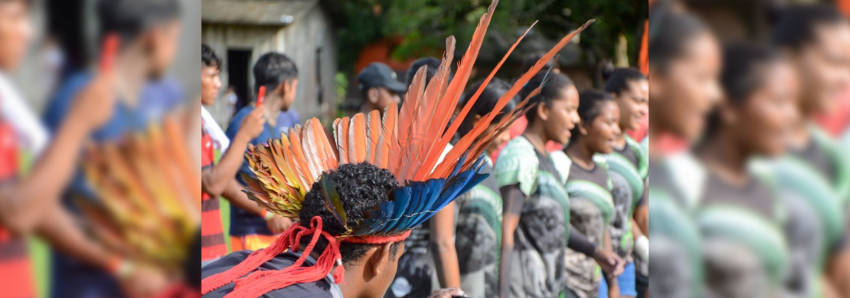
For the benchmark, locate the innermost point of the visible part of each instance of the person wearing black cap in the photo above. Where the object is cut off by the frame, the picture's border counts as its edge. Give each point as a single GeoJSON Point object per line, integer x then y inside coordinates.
{"type": "Point", "coordinates": [379, 86]}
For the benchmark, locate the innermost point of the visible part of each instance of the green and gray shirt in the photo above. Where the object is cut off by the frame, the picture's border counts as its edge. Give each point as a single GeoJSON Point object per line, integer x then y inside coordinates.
{"type": "Point", "coordinates": [591, 212]}
{"type": "Point", "coordinates": [537, 262]}
{"type": "Point", "coordinates": [478, 236]}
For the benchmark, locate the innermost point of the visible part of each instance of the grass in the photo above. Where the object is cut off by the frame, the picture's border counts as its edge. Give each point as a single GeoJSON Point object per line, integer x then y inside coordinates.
{"type": "Point", "coordinates": [38, 249]}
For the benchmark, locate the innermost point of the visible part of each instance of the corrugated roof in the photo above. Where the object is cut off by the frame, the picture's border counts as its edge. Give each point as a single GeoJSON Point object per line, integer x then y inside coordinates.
{"type": "Point", "coordinates": [255, 12]}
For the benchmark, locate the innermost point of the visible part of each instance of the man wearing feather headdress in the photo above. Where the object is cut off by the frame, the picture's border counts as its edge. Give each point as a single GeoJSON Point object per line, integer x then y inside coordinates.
{"type": "Point", "coordinates": [369, 268]}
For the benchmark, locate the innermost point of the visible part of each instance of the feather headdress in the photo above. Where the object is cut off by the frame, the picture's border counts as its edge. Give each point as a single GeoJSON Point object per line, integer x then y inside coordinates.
{"type": "Point", "coordinates": [410, 142]}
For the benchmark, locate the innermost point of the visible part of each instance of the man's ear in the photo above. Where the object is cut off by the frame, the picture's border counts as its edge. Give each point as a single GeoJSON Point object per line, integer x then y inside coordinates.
{"type": "Point", "coordinates": [372, 95]}
{"type": "Point", "coordinates": [280, 90]}
{"type": "Point", "coordinates": [380, 259]}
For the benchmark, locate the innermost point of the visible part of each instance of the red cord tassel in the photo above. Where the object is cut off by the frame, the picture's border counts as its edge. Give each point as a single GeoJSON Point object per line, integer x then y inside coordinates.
{"type": "Point", "coordinates": [261, 282]}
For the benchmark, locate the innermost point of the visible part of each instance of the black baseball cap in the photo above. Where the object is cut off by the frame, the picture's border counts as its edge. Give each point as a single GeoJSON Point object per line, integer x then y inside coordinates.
{"type": "Point", "coordinates": [378, 74]}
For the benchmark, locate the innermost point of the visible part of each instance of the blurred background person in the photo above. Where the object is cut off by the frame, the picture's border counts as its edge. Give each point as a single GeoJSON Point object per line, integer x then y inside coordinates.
{"type": "Point", "coordinates": [148, 32]}
{"type": "Point", "coordinates": [279, 76]}
{"type": "Point", "coordinates": [684, 72]}
{"type": "Point", "coordinates": [287, 119]}
{"type": "Point", "coordinates": [744, 246]}
{"type": "Point", "coordinates": [379, 87]}
{"type": "Point", "coordinates": [684, 75]}
{"type": "Point", "coordinates": [816, 38]}
{"type": "Point", "coordinates": [87, 110]}
{"type": "Point", "coordinates": [231, 98]}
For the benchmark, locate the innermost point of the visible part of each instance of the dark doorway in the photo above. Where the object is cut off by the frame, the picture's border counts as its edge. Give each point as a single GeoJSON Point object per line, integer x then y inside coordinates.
{"type": "Point", "coordinates": [238, 63]}
{"type": "Point", "coordinates": [65, 22]}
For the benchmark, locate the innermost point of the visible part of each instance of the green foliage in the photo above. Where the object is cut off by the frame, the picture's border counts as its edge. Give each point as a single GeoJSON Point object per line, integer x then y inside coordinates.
{"type": "Point", "coordinates": [423, 25]}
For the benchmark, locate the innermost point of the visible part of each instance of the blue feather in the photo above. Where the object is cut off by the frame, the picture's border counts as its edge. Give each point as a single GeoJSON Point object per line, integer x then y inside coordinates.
{"type": "Point", "coordinates": [373, 220]}
{"type": "Point", "coordinates": [429, 192]}
{"type": "Point", "coordinates": [410, 196]}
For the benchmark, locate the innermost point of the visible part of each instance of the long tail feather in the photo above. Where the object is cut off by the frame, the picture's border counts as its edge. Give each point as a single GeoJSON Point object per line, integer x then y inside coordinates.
{"type": "Point", "coordinates": [432, 159]}
{"type": "Point", "coordinates": [464, 143]}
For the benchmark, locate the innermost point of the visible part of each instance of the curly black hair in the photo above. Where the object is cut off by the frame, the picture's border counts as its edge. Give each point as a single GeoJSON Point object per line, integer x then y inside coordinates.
{"type": "Point", "coordinates": [361, 187]}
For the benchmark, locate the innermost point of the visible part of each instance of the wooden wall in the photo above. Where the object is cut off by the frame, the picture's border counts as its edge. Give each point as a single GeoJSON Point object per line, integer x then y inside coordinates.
{"type": "Point", "coordinates": [299, 41]}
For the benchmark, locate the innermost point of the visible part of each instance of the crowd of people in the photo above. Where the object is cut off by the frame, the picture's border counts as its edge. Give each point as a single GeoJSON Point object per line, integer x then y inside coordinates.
{"type": "Point", "coordinates": [549, 220]}
{"type": "Point", "coordinates": [446, 186]}
{"type": "Point", "coordinates": [756, 204]}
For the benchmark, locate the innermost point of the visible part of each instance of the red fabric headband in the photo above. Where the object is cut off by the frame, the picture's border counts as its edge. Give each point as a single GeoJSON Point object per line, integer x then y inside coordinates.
{"type": "Point", "coordinates": [259, 283]}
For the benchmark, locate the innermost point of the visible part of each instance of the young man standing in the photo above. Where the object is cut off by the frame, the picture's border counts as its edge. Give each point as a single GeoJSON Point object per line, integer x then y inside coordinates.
{"type": "Point", "coordinates": [218, 179]}
{"type": "Point", "coordinates": [379, 87]}
{"type": "Point", "coordinates": [279, 75]}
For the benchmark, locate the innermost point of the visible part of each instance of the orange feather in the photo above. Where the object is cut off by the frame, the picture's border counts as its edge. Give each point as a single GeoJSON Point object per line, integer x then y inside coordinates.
{"type": "Point", "coordinates": [441, 142]}
{"type": "Point", "coordinates": [298, 154]}
{"type": "Point", "coordinates": [336, 137]}
{"type": "Point", "coordinates": [342, 140]}
{"type": "Point", "coordinates": [373, 129]}
{"type": "Point", "coordinates": [329, 155]}
{"type": "Point", "coordinates": [405, 118]}
{"type": "Point", "coordinates": [388, 134]}
{"type": "Point", "coordinates": [312, 152]}
{"type": "Point", "coordinates": [289, 155]}
{"type": "Point", "coordinates": [357, 139]}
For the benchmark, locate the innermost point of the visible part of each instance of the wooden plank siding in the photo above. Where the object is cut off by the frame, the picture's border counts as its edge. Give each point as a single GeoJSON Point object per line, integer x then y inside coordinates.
{"type": "Point", "coordinates": [310, 30]}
